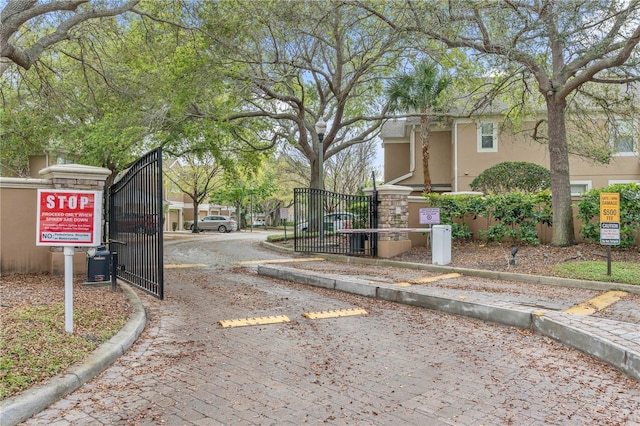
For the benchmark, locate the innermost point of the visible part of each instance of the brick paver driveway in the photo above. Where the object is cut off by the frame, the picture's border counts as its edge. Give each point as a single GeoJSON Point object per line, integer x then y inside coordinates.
{"type": "Point", "coordinates": [397, 365]}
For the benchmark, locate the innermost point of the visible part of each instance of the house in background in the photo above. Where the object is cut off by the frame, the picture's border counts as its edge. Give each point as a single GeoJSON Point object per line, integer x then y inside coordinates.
{"type": "Point", "coordinates": [179, 208]}
{"type": "Point", "coordinates": [462, 148]}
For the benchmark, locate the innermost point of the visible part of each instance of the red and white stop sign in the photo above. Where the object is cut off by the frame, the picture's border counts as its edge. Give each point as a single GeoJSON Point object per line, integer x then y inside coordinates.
{"type": "Point", "coordinates": [68, 217]}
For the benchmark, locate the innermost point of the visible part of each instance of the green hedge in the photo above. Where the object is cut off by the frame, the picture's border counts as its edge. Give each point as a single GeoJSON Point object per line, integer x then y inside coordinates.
{"type": "Point", "coordinates": [513, 215]}
{"type": "Point", "coordinates": [516, 215]}
{"type": "Point", "coordinates": [589, 213]}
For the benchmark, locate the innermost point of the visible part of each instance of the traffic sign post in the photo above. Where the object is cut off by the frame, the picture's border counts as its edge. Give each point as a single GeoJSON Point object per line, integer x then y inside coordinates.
{"type": "Point", "coordinates": [68, 218]}
{"type": "Point", "coordinates": [284, 215]}
{"type": "Point", "coordinates": [609, 223]}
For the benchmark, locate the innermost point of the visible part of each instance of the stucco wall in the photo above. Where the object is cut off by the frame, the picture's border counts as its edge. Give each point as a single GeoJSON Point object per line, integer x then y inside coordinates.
{"type": "Point", "coordinates": [396, 160]}
{"type": "Point", "coordinates": [18, 219]}
{"type": "Point", "coordinates": [18, 250]}
{"type": "Point", "coordinates": [470, 162]}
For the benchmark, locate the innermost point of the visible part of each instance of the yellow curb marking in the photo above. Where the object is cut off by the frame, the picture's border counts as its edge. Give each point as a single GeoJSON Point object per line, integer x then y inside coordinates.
{"type": "Point", "coordinates": [335, 314]}
{"type": "Point", "coordinates": [254, 321]}
{"type": "Point", "coordinates": [185, 265]}
{"type": "Point", "coordinates": [538, 314]}
{"type": "Point", "coordinates": [429, 279]}
{"type": "Point", "coordinates": [306, 259]}
{"type": "Point", "coordinates": [597, 303]}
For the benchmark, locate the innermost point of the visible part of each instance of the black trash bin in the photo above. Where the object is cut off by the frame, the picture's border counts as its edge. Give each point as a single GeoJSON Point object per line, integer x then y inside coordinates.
{"type": "Point", "coordinates": [98, 265]}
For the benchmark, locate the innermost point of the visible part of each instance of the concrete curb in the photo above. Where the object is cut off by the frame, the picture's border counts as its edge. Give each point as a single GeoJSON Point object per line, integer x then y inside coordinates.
{"type": "Point", "coordinates": [498, 275]}
{"type": "Point", "coordinates": [540, 321]}
{"type": "Point", "coordinates": [20, 407]}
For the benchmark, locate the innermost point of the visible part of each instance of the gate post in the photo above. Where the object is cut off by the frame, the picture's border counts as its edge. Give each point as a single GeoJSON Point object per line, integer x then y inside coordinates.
{"type": "Point", "coordinates": [73, 176]}
{"type": "Point", "coordinates": [393, 212]}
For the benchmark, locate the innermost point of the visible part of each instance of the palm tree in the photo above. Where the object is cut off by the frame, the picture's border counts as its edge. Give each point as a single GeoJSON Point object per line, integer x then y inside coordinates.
{"type": "Point", "coordinates": [419, 92]}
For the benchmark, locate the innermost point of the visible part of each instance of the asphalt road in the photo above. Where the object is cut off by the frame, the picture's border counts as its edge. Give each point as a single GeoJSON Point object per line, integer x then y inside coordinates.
{"type": "Point", "coordinates": [395, 365]}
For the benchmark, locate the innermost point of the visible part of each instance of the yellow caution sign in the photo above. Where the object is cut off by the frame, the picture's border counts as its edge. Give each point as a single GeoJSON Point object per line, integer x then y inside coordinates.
{"type": "Point", "coordinates": [609, 207]}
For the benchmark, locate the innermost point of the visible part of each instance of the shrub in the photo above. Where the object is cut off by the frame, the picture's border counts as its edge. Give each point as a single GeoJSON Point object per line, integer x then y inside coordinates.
{"type": "Point", "coordinates": [513, 176]}
{"type": "Point", "coordinates": [514, 215]}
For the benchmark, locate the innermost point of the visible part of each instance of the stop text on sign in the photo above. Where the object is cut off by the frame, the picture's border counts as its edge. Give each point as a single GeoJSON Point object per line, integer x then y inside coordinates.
{"type": "Point", "coordinates": [65, 201]}
{"type": "Point", "coordinates": [68, 218]}
{"type": "Point", "coordinates": [609, 207]}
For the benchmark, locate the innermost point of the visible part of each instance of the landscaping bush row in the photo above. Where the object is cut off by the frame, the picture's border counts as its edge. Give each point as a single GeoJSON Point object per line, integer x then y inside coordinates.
{"type": "Point", "coordinates": [516, 215]}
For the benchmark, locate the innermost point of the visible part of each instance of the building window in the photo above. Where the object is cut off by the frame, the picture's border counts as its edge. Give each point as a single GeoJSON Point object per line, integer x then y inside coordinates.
{"type": "Point", "coordinates": [579, 186]}
{"type": "Point", "coordinates": [624, 137]}
{"type": "Point", "coordinates": [487, 137]}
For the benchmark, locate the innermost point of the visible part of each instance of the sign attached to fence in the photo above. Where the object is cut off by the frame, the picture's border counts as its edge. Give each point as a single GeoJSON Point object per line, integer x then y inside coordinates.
{"type": "Point", "coordinates": [430, 216]}
{"type": "Point", "coordinates": [68, 218]}
{"type": "Point", "coordinates": [609, 207]}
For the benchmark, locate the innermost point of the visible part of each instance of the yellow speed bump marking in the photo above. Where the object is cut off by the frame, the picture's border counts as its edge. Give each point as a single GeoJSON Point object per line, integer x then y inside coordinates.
{"type": "Point", "coordinates": [334, 314]}
{"type": "Point", "coordinates": [306, 259]}
{"type": "Point", "coordinates": [254, 321]}
{"type": "Point", "coordinates": [429, 279]}
{"type": "Point", "coordinates": [185, 265]}
{"type": "Point", "coordinates": [597, 303]}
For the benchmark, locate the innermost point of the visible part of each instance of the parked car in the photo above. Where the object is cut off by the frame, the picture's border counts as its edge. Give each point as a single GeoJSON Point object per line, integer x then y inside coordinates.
{"type": "Point", "coordinates": [215, 223]}
{"type": "Point", "coordinates": [259, 222]}
{"type": "Point", "coordinates": [332, 222]}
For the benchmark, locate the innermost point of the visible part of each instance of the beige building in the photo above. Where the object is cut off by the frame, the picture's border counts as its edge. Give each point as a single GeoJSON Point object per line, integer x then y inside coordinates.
{"type": "Point", "coordinates": [179, 208]}
{"type": "Point", "coordinates": [461, 149]}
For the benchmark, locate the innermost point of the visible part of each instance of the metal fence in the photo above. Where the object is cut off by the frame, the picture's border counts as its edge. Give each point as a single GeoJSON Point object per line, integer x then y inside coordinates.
{"type": "Point", "coordinates": [328, 222]}
{"type": "Point", "coordinates": [135, 224]}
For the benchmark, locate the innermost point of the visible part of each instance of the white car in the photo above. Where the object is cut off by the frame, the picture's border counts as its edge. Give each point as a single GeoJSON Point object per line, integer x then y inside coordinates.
{"type": "Point", "coordinates": [258, 222]}
{"type": "Point", "coordinates": [332, 222]}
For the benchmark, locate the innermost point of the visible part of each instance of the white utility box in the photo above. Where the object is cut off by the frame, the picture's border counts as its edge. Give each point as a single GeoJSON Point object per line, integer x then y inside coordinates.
{"type": "Point", "coordinates": [441, 244]}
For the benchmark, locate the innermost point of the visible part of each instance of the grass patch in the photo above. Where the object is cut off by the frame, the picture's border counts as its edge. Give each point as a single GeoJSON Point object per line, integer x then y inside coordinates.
{"type": "Point", "coordinates": [34, 345]}
{"type": "Point", "coordinates": [621, 272]}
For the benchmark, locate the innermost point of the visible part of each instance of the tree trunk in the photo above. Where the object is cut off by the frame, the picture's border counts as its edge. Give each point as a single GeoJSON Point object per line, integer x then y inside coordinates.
{"type": "Point", "coordinates": [424, 137]}
{"type": "Point", "coordinates": [196, 205]}
{"type": "Point", "coordinates": [563, 232]}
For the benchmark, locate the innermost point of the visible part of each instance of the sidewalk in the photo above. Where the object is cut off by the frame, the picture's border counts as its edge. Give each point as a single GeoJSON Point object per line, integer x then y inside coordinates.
{"type": "Point", "coordinates": [614, 342]}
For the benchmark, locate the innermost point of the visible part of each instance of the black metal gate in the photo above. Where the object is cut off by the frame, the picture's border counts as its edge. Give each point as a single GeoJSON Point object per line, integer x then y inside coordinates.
{"type": "Point", "coordinates": [328, 222]}
{"type": "Point", "coordinates": [135, 224]}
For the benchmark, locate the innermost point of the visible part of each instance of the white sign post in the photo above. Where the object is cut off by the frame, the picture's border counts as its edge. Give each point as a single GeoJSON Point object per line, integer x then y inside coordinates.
{"type": "Point", "coordinates": [68, 218]}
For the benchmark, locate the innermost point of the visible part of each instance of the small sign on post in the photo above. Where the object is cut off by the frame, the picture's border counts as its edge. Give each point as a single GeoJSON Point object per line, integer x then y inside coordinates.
{"type": "Point", "coordinates": [284, 215]}
{"type": "Point", "coordinates": [609, 223]}
{"type": "Point", "coordinates": [68, 218]}
{"type": "Point", "coordinates": [430, 216]}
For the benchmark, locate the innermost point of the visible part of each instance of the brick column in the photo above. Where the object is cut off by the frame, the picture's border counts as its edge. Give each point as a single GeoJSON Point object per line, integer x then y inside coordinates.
{"type": "Point", "coordinates": [393, 212]}
{"type": "Point", "coordinates": [73, 176]}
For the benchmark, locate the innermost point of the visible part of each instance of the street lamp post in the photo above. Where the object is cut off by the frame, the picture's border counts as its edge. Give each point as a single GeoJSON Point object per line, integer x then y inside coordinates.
{"type": "Point", "coordinates": [321, 127]}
